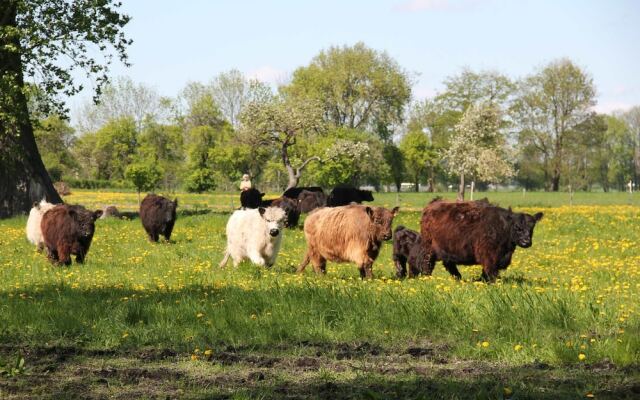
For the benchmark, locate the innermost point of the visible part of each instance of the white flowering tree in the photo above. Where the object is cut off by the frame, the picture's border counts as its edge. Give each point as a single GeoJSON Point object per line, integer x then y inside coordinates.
{"type": "Point", "coordinates": [478, 149]}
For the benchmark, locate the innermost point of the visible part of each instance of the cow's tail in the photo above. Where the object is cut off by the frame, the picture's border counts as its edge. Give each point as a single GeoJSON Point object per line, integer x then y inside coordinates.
{"type": "Point", "coordinates": [224, 260]}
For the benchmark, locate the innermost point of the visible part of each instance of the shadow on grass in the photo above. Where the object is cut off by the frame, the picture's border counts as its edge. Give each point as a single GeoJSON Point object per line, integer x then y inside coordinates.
{"type": "Point", "coordinates": [68, 373]}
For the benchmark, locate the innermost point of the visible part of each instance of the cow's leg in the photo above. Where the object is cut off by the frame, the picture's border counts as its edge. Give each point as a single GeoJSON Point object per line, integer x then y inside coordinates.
{"type": "Point", "coordinates": [319, 264]}
{"type": "Point", "coordinates": [154, 236]}
{"type": "Point", "coordinates": [64, 253]}
{"type": "Point", "coordinates": [429, 264]}
{"type": "Point", "coordinates": [255, 257]}
{"type": "Point", "coordinates": [489, 273]}
{"type": "Point", "coordinates": [401, 266]}
{"type": "Point", "coordinates": [304, 263]}
{"type": "Point", "coordinates": [167, 231]}
{"type": "Point", "coordinates": [225, 260]}
{"type": "Point", "coordinates": [52, 254]}
{"type": "Point", "coordinates": [453, 269]}
{"type": "Point", "coordinates": [505, 261]}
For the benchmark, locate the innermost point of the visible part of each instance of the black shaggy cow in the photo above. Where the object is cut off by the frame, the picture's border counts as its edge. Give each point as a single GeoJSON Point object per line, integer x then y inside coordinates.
{"type": "Point", "coordinates": [345, 195]}
{"type": "Point", "coordinates": [294, 193]}
{"type": "Point", "coordinates": [68, 230]}
{"type": "Point", "coordinates": [289, 206]}
{"type": "Point", "coordinates": [251, 198]}
{"type": "Point", "coordinates": [469, 233]}
{"type": "Point", "coordinates": [158, 215]}
{"type": "Point", "coordinates": [309, 201]}
{"type": "Point", "coordinates": [407, 247]}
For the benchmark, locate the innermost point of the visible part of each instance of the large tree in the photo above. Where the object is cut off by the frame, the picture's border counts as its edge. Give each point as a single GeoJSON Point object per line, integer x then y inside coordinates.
{"type": "Point", "coordinates": [231, 91]}
{"type": "Point", "coordinates": [358, 87]}
{"type": "Point", "coordinates": [632, 118]}
{"type": "Point", "coordinates": [478, 149]}
{"type": "Point", "coordinates": [549, 106]}
{"type": "Point", "coordinates": [419, 157]}
{"type": "Point", "coordinates": [280, 124]}
{"type": "Point", "coordinates": [45, 41]}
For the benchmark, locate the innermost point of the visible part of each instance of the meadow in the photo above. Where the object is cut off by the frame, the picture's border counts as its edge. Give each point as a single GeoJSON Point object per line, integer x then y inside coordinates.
{"type": "Point", "coordinates": [142, 320]}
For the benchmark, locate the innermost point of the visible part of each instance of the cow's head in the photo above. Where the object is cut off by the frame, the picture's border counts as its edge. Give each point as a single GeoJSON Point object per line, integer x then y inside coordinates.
{"type": "Point", "coordinates": [522, 230]}
{"type": "Point", "coordinates": [275, 219]}
{"type": "Point", "coordinates": [170, 210]}
{"type": "Point", "coordinates": [381, 220]}
{"type": "Point", "coordinates": [85, 220]}
{"type": "Point", "coordinates": [365, 195]}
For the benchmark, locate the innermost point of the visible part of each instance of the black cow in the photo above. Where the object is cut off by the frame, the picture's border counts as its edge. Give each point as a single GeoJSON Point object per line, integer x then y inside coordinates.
{"type": "Point", "coordinates": [158, 215]}
{"type": "Point", "coordinates": [407, 247]}
{"type": "Point", "coordinates": [474, 232]}
{"type": "Point", "coordinates": [294, 193]}
{"type": "Point", "coordinates": [251, 198]}
{"type": "Point", "coordinates": [345, 195]}
{"type": "Point", "coordinates": [309, 201]}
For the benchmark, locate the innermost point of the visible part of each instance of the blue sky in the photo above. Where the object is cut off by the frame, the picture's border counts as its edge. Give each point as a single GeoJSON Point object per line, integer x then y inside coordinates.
{"type": "Point", "coordinates": [193, 40]}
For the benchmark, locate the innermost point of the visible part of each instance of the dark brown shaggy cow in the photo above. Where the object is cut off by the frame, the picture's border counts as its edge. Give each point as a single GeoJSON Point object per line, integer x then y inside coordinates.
{"type": "Point", "coordinates": [344, 195]}
{"type": "Point", "coordinates": [68, 230]}
{"type": "Point", "coordinates": [351, 233]}
{"type": "Point", "coordinates": [289, 206]}
{"type": "Point", "coordinates": [251, 198]}
{"type": "Point", "coordinates": [309, 201]}
{"type": "Point", "coordinates": [474, 232]}
{"type": "Point", "coordinates": [158, 215]}
{"type": "Point", "coordinates": [407, 247]}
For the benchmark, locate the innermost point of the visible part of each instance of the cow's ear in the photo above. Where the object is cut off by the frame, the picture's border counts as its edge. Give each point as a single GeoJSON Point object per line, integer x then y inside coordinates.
{"type": "Point", "coordinates": [538, 216]}
{"type": "Point", "coordinates": [510, 210]}
{"type": "Point", "coordinates": [175, 202]}
{"type": "Point", "coordinates": [261, 210]}
{"type": "Point", "coordinates": [395, 211]}
{"type": "Point", "coordinates": [369, 211]}
{"type": "Point", "coordinates": [36, 205]}
{"type": "Point", "coordinates": [261, 194]}
{"type": "Point", "coordinates": [97, 214]}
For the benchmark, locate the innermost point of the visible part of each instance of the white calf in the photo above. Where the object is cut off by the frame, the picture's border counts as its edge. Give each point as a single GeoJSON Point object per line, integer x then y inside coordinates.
{"type": "Point", "coordinates": [254, 234]}
{"type": "Point", "coordinates": [34, 231]}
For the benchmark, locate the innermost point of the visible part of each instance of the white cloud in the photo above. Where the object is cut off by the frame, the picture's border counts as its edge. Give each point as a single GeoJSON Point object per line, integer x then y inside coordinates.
{"type": "Point", "coordinates": [269, 74]}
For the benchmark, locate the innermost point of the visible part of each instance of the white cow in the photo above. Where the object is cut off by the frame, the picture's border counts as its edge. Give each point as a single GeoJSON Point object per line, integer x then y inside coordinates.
{"type": "Point", "coordinates": [255, 234]}
{"type": "Point", "coordinates": [34, 231]}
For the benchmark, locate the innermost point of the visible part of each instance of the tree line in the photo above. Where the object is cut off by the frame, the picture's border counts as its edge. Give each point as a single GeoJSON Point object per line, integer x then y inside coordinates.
{"type": "Point", "coordinates": [348, 118]}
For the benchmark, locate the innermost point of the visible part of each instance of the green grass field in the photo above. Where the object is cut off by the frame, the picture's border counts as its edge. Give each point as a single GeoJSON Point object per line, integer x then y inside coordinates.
{"type": "Point", "coordinates": [142, 320]}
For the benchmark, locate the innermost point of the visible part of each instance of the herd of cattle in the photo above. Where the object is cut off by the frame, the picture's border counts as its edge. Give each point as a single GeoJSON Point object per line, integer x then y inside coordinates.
{"type": "Point", "coordinates": [338, 228]}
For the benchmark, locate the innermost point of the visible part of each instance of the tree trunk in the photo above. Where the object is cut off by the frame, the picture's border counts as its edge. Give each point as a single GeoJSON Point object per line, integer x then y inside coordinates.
{"type": "Point", "coordinates": [555, 181]}
{"type": "Point", "coordinates": [23, 177]}
{"type": "Point", "coordinates": [417, 184]}
{"type": "Point", "coordinates": [294, 173]}
{"type": "Point", "coordinates": [461, 188]}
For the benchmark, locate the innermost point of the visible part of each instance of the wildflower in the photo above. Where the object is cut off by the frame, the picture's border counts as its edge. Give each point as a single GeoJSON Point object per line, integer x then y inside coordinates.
{"type": "Point", "coordinates": [581, 357]}
{"type": "Point", "coordinates": [125, 334]}
{"type": "Point", "coordinates": [485, 344]}
{"type": "Point", "coordinates": [517, 347]}
{"type": "Point", "coordinates": [194, 357]}
{"type": "Point", "coordinates": [208, 352]}
{"type": "Point", "coordinates": [199, 315]}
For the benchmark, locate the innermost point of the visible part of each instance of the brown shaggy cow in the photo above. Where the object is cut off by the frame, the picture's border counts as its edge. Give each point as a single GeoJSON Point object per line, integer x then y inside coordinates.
{"type": "Point", "coordinates": [474, 232]}
{"type": "Point", "coordinates": [68, 230]}
{"type": "Point", "coordinates": [350, 233]}
{"type": "Point", "coordinates": [158, 215]}
{"type": "Point", "coordinates": [407, 247]}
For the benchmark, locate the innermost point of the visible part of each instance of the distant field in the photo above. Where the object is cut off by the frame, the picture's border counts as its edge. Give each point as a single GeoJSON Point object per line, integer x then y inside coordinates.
{"type": "Point", "coordinates": [143, 320]}
{"type": "Point", "coordinates": [128, 201]}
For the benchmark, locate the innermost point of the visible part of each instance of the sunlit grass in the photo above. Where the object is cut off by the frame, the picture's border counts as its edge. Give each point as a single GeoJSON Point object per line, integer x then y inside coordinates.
{"type": "Point", "coordinates": [570, 299]}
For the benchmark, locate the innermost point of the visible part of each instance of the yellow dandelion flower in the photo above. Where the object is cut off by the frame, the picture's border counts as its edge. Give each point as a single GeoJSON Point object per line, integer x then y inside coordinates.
{"type": "Point", "coordinates": [517, 347]}
{"type": "Point", "coordinates": [581, 357]}
{"type": "Point", "coordinates": [485, 344]}
{"type": "Point", "coordinates": [208, 352]}
{"type": "Point", "coordinates": [199, 315]}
